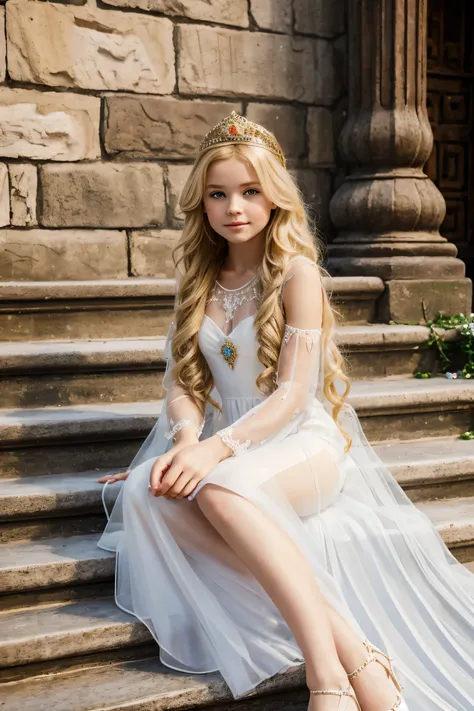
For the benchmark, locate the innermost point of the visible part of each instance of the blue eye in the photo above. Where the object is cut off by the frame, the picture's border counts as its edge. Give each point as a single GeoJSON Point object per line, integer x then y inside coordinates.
{"type": "Point", "coordinates": [252, 190]}
{"type": "Point", "coordinates": [217, 193]}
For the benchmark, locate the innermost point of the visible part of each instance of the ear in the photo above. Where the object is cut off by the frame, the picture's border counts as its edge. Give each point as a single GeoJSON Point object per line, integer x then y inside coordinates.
{"type": "Point", "coordinates": [274, 207]}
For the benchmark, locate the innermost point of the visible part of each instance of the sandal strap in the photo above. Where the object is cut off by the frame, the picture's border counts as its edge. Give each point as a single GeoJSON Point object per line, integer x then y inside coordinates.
{"type": "Point", "coordinates": [357, 671]}
{"type": "Point", "coordinates": [339, 692]}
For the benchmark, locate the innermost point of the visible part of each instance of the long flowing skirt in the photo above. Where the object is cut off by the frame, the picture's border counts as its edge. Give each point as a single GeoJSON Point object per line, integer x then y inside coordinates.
{"type": "Point", "coordinates": [377, 559]}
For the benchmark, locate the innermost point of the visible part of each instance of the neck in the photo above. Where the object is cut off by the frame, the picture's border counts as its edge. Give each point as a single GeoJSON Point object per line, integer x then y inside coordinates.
{"type": "Point", "coordinates": [246, 257]}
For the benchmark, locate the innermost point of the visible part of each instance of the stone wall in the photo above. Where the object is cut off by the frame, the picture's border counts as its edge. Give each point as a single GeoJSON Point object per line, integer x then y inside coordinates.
{"type": "Point", "coordinates": [103, 105]}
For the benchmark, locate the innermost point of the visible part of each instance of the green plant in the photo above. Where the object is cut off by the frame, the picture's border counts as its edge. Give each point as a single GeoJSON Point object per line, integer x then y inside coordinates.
{"type": "Point", "coordinates": [453, 337]}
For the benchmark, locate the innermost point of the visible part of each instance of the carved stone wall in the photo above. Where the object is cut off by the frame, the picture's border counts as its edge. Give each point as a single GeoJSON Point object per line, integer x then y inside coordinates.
{"type": "Point", "coordinates": [103, 105]}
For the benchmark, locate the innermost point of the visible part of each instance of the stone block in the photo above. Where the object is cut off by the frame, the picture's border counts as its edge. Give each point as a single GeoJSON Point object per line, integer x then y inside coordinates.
{"type": "Point", "coordinates": [287, 123]}
{"type": "Point", "coordinates": [160, 126]}
{"type": "Point", "coordinates": [4, 196]}
{"type": "Point", "coordinates": [316, 188]}
{"type": "Point", "coordinates": [89, 48]}
{"type": "Point", "coordinates": [226, 12]}
{"type": "Point", "coordinates": [414, 300]}
{"type": "Point", "coordinates": [321, 137]}
{"type": "Point", "coordinates": [49, 125]}
{"type": "Point", "coordinates": [323, 18]}
{"type": "Point", "coordinates": [53, 255]}
{"type": "Point", "coordinates": [3, 46]}
{"type": "Point", "coordinates": [23, 192]}
{"type": "Point", "coordinates": [272, 14]}
{"type": "Point", "coordinates": [219, 62]}
{"type": "Point", "coordinates": [151, 253]}
{"type": "Point", "coordinates": [177, 176]}
{"type": "Point", "coordinates": [102, 195]}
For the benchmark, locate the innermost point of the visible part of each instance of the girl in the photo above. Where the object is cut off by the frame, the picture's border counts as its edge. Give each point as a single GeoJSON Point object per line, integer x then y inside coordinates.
{"type": "Point", "coordinates": [256, 528]}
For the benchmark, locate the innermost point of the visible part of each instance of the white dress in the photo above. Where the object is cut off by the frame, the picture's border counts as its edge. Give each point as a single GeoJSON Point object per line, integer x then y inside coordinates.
{"type": "Point", "coordinates": [377, 558]}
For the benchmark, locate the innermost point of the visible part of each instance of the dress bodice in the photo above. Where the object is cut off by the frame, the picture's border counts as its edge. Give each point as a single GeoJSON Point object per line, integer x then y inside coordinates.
{"type": "Point", "coordinates": [239, 381]}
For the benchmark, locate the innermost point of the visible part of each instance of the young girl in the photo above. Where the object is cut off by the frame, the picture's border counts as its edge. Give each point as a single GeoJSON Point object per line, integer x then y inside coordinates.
{"type": "Point", "coordinates": [256, 528]}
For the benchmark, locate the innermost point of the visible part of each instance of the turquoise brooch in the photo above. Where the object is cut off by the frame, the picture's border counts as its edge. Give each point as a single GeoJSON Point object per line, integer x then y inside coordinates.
{"type": "Point", "coordinates": [229, 352]}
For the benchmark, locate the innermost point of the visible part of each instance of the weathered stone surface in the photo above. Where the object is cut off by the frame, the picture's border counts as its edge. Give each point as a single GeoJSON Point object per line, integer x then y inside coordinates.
{"type": "Point", "coordinates": [413, 301]}
{"type": "Point", "coordinates": [23, 191]}
{"type": "Point", "coordinates": [102, 195]}
{"type": "Point", "coordinates": [227, 12]}
{"type": "Point", "coordinates": [316, 188]}
{"type": "Point", "coordinates": [321, 138]}
{"type": "Point", "coordinates": [324, 18]}
{"type": "Point", "coordinates": [4, 196]}
{"type": "Point", "coordinates": [221, 62]}
{"type": "Point", "coordinates": [286, 122]}
{"type": "Point", "coordinates": [272, 14]}
{"type": "Point", "coordinates": [49, 125]}
{"type": "Point", "coordinates": [177, 176]}
{"type": "Point", "coordinates": [151, 253]}
{"type": "Point", "coordinates": [92, 48]}
{"type": "Point", "coordinates": [3, 46]}
{"type": "Point", "coordinates": [51, 255]}
{"type": "Point", "coordinates": [161, 126]}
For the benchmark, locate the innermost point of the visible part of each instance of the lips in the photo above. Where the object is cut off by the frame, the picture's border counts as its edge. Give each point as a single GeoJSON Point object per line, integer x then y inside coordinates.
{"type": "Point", "coordinates": [236, 224]}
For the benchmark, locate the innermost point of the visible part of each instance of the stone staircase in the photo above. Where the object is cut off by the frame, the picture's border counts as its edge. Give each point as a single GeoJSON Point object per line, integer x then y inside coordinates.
{"type": "Point", "coordinates": [81, 366]}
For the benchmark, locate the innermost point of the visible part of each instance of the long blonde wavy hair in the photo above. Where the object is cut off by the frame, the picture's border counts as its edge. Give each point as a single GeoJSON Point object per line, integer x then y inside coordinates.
{"type": "Point", "coordinates": [289, 231]}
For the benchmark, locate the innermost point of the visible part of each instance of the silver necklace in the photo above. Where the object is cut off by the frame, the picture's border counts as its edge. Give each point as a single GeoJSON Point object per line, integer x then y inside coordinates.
{"type": "Point", "coordinates": [231, 299]}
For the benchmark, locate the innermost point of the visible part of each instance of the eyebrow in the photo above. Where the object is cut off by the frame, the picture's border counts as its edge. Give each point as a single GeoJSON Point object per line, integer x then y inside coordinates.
{"type": "Point", "coordinates": [242, 185]}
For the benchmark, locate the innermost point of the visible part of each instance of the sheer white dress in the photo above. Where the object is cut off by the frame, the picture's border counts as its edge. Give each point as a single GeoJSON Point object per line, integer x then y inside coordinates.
{"type": "Point", "coordinates": [377, 558]}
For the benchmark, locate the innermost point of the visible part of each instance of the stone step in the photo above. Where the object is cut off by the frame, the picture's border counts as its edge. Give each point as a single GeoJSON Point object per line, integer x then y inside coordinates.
{"type": "Point", "coordinates": [441, 467]}
{"type": "Point", "coordinates": [427, 469]}
{"type": "Point", "coordinates": [58, 439]}
{"type": "Point", "coordinates": [42, 374]}
{"type": "Point", "coordinates": [147, 685]}
{"type": "Point", "coordinates": [54, 440]}
{"type": "Point", "coordinates": [412, 408]}
{"type": "Point", "coordinates": [135, 307]}
{"type": "Point", "coordinates": [109, 308]}
{"type": "Point", "coordinates": [75, 560]}
{"type": "Point", "coordinates": [43, 633]}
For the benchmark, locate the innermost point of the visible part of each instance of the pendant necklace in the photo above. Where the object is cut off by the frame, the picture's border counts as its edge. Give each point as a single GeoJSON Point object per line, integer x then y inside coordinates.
{"type": "Point", "coordinates": [231, 299]}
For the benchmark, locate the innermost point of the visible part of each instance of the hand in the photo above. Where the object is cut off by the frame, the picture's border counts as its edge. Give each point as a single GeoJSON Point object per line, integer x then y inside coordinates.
{"type": "Point", "coordinates": [176, 474]}
{"type": "Point", "coordinates": [112, 478]}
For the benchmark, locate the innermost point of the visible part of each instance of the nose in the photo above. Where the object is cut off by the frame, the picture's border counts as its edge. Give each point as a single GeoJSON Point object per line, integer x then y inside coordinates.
{"type": "Point", "coordinates": [234, 207]}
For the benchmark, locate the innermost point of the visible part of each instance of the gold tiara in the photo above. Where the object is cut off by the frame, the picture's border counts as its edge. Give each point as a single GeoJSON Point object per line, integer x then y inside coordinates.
{"type": "Point", "coordinates": [237, 129]}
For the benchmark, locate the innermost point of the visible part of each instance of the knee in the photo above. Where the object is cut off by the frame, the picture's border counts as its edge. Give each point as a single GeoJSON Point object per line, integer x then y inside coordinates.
{"type": "Point", "coordinates": [211, 499]}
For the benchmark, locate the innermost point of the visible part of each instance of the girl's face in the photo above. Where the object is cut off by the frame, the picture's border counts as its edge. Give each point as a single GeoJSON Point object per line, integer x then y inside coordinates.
{"type": "Point", "coordinates": [233, 196]}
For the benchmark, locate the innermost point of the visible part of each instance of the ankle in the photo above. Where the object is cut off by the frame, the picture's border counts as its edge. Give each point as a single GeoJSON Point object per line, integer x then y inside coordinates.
{"type": "Point", "coordinates": [335, 679]}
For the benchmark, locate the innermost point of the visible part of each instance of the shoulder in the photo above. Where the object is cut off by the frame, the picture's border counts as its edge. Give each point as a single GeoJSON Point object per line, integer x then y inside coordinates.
{"type": "Point", "coordinates": [300, 270]}
{"type": "Point", "coordinates": [302, 293]}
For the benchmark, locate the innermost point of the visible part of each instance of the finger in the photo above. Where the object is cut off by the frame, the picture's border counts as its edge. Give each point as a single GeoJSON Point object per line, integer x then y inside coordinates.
{"type": "Point", "coordinates": [181, 482]}
{"type": "Point", "coordinates": [189, 488]}
{"type": "Point", "coordinates": [170, 477]}
{"type": "Point", "coordinates": [160, 465]}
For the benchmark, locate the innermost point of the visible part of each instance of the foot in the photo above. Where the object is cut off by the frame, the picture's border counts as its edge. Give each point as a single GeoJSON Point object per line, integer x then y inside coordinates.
{"type": "Point", "coordinates": [374, 688]}
{"type": "Point", "coordinates": [334, 702]}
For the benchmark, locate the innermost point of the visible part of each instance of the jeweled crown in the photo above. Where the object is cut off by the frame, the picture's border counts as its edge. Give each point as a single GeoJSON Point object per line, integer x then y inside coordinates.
{"type": "Point", "coordinates": [238, 129]}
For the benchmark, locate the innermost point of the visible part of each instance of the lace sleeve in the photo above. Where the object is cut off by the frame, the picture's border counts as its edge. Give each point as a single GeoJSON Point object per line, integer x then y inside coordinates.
{"type": "Point", "coordinates": [298, 365]}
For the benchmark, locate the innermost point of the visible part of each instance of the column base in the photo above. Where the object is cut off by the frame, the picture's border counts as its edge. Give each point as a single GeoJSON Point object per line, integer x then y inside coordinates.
{"type": "Point", "coordinates": [414, 301]}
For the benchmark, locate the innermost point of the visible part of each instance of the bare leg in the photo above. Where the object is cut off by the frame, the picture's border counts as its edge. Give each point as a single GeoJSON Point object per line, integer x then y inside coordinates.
{"type": "Point", "coordinates": [328, 643]}
{"type": "Point", "coordinates": [268, 552]}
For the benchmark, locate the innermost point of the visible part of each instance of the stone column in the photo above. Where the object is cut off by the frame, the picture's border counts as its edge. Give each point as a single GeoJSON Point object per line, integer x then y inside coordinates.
{"type": "Point", "coordinates": [388, 212]}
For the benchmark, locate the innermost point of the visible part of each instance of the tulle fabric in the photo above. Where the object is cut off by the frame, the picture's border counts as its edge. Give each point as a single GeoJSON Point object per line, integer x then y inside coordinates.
{"type": "Point", "coordinates": [377, 558]}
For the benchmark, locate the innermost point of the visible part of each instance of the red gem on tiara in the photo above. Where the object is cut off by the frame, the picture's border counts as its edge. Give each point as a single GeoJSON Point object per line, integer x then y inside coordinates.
{"type": "Point", "coordinates": [233, 129]}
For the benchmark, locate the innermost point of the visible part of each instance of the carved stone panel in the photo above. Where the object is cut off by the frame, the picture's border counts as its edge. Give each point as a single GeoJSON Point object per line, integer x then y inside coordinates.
{"type": "Point", "coordinates": [450, 102]}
